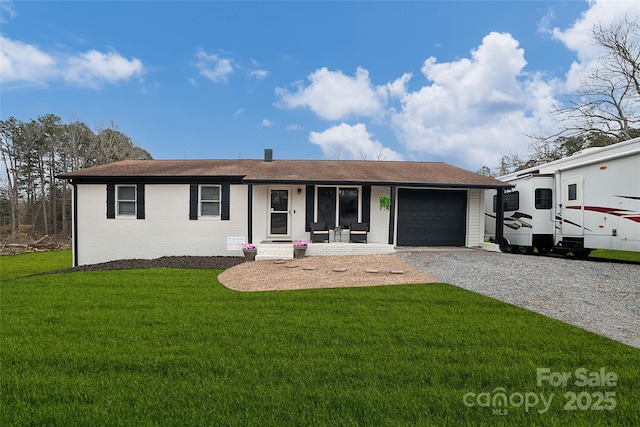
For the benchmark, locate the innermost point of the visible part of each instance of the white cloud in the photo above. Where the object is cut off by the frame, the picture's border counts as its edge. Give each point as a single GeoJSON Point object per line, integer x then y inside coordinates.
{"type": "Point", "coordinates": [213, 67]}
{"type": "Point", "coordinates": [333, 95]}
{"type": "Point", "coordinates": [93, 68]}
{"type": "Point", "coordinates": [7, 11]}
{"type": "Point", "coordinates": [21, 62]}
{"type": "Point", "coordinates": [293, 126]}
{"type": "Point", "coordinates": [267, 123]}
{"type": "Point", "coordinates": [258, 74]}
{"type": "Point", "coordinates": [344, 141]}
{"type": "Point", "coordinates": [475, 109]}
{"type": "Point", "coordinates": [25, 63]}
{"type": "Point", "coordinates": [577, 38]}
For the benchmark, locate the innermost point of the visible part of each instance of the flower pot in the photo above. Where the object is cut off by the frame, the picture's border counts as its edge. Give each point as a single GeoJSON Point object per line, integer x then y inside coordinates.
{"type": "Point", "coordinates": [250, 254]}
{"type": "Point", "coordinates": [298, 251]}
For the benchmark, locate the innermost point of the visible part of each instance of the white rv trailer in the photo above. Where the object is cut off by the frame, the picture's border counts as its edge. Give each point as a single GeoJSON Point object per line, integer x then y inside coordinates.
{"type": "Point", "coordinates": [590, 200]}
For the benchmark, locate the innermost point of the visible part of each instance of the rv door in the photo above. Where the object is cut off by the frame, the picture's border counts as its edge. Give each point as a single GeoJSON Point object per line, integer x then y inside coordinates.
{"type": "Point", "coordinates": [572, 200]}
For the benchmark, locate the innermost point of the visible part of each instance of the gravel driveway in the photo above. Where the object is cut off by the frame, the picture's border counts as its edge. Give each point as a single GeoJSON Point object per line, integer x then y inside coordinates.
{"type": "Point", "coordinates": [600, 297]}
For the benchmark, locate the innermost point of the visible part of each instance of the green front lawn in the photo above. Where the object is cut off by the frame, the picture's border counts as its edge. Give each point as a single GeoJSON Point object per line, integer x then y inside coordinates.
{"type": "Point", "coordinates": [616, 255]}
{"type": "Point", "coordinates": [172, 346]}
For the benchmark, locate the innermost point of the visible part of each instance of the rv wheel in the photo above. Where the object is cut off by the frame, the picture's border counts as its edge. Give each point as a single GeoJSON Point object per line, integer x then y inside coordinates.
{"type": "Point", "coordinates": [542, 250]}
{"type": "Point", "coordinates": [524, 250]}
{"type": "Point", "coordinates": [506, 247]}
{"type": "Point", "coordinates": [581, 253]}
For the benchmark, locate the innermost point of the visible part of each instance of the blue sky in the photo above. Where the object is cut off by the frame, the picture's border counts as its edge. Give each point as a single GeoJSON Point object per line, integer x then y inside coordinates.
{"type": "Point", "coordinates": [455, 81]}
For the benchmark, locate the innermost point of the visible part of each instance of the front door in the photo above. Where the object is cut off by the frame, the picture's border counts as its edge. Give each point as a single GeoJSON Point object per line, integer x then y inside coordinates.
{"type": "Point", "coordinates": [279, 212]}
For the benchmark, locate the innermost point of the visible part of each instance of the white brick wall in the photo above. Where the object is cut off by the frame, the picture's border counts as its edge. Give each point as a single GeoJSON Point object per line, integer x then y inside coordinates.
{"type": "Point", "coordinates": [379, 226]}
{"type": "Point", "coordinates": [166, 230]}
{"type": "Point", "coordinates": [338, 248]}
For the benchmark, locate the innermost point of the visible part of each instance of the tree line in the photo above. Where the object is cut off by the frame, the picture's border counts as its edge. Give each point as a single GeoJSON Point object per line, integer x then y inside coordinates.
{"type": "Point", "coordinates": [32, 200]}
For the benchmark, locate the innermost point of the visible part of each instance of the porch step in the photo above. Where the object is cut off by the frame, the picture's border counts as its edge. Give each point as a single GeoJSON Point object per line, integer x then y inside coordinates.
{"type": "Point", "coordinates": [268, 251]}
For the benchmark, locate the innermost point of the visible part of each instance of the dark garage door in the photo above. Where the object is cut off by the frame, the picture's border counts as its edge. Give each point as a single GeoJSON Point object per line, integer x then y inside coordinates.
{"type": "Point", "coordinates": [431, 217]}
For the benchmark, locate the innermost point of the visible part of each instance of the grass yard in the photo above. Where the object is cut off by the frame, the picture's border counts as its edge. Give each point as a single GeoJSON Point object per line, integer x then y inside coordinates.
{"type": "Point", "coordinates": [616, 255]}
{"type": "Point", "coordinates": [174, 347]}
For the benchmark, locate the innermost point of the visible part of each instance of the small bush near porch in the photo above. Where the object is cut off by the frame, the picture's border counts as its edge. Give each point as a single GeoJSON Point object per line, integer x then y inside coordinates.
{"type": "Point", "coordinates": [172, 346]}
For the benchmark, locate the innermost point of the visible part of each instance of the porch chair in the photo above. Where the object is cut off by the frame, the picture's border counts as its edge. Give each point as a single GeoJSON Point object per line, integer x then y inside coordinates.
{"type": "Point", "coordinates": [319, 232]}
{"type": "Point", "coordinates": [358, 232]}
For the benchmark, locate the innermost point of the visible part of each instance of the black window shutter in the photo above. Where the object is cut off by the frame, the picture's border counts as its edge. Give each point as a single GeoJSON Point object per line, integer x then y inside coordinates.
{"type": "Point", "coordinates": [366, 204]}
{"type": "Point", "coordinates": [140, 201]}
{"type": "Point", "coordinates": [111, 201]}
{"type": "Point", "coordinates": [193, 201]}
{"type": "Point", "coordinates": [224, 203]}
{"type": "Point", "coordinates": [309, 205]}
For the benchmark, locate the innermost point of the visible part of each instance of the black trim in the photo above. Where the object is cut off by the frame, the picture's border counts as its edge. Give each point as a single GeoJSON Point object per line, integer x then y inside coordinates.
{"type": "Point", "coordinates": [111, 201]}
{"type": "Point", "coordinates": [309, 207]}
{"type": "Point", "coordinates": [157, 180]}
{"type": "Point", "coordinates": [224, 203]}
{"type": "Point", "coordinates": [500, 220]}
{"type": "Point", "coordinates": [75, 225]}
{"type": "Point", "coordinates": [392, 215]}
{"type": "Point", "coordinates": [250, 213]}
{"type": "Point", "coordinates": [376, 184]}
{"type": "Point", "coordinates": [366, 204]}
{"type": "Point", "coordinates": [193, 201]}
{"type": "Point", "coordinates": [140, 201]}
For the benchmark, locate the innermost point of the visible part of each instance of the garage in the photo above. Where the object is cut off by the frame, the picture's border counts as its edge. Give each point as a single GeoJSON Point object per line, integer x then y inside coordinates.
{"type": "Point", "coordinates": [431, 217]}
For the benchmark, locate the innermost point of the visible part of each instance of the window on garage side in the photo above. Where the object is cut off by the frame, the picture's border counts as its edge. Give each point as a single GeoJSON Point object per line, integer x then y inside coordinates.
{"type": "Point", "coordinates": [126, 200]}
{"type": "Point", "coordinates": [210, 200]}
{"type": "Point", "coordinates": [543, 198]}
{"type": "Point", "coordinates": [511, 201]}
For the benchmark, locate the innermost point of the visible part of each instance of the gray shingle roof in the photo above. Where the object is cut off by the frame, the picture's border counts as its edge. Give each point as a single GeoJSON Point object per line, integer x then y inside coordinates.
{"type": "Point", "coordinates": [295, 171]}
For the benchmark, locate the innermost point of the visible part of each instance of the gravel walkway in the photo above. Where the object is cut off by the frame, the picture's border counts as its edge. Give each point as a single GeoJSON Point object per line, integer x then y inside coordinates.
{"type": "Point", "coordinates": [600, 297]}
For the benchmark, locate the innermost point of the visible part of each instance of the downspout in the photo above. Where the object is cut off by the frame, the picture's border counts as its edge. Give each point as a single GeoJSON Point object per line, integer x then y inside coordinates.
{"type": "Point", "coordinates": [74, 221]}
{"type": "Point", "coordinates": [500, 219]}
{"type": "Point", "coordinates": [250, 213]}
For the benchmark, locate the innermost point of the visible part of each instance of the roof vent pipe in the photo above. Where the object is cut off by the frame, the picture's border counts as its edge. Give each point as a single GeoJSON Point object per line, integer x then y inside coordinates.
{"type": "Point", "coordinates": [268, 155]}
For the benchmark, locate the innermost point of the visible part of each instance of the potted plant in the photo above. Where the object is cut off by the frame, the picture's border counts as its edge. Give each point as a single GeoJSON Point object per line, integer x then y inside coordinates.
{"type": "Point", "coordinates": [299, 248]}
{"type": "Point", "coordinates": [385, 202]}
{"type": "Point", "coordinates": [250, 251]}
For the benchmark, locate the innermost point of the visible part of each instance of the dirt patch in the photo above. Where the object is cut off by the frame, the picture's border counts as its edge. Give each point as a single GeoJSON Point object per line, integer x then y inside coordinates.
{"type": "Point", "coordinates": [323, 272]}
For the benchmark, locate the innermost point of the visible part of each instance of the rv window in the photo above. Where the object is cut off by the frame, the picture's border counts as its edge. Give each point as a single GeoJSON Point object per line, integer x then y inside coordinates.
{"type": "Point", "coordinates": [572, 192]}
{"type": "Point", "coordinates": [511, 201]}
{"type": "Point", "coordinates": [543, 198]}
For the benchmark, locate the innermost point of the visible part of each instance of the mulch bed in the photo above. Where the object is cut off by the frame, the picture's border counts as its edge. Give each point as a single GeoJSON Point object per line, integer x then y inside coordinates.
{"type": "Point", "coordinates": [205, 262]}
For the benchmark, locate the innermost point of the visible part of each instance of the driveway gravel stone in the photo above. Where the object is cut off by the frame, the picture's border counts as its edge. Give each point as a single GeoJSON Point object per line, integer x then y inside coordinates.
{"type": "Point", "coordinates": [600, 297]}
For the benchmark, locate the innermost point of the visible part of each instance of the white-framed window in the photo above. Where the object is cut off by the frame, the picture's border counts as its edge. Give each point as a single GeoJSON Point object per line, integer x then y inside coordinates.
{"type": "Point", "coordinates": [210, 198]}
{"type": "Point", "coordinates": [126, 200]}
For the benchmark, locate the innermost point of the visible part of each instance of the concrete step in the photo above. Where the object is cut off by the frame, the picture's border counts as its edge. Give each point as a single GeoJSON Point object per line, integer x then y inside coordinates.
{"type": "Point", "coordinates": [269, 251]}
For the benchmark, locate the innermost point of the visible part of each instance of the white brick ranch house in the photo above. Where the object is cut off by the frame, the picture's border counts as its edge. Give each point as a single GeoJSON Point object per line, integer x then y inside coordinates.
{"type": "Point", "coordinates": [153, 208]}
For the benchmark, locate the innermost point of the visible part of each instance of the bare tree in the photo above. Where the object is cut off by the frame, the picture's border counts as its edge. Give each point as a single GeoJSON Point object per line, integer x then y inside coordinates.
{"type": "Point", "coordinates": [608, 101]}
{"type": "Point", "coordinates": [606, 108]}
{"type": "Point", "coordinates": [8, 150]}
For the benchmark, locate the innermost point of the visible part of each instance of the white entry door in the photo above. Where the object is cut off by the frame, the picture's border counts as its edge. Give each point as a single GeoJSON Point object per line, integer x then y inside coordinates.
{"type": "Point", "coordinates": [279, 212]}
